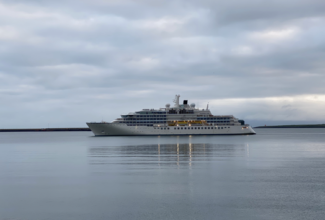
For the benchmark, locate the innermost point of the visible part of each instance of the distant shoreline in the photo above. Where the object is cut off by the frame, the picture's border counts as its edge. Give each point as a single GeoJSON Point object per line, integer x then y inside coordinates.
{"type": "Point", "coordinates": [43, 129]}
{"type": "Point", "coordinates": [293, 126]}
{"type": "Point", "coordinates": [87, 129]}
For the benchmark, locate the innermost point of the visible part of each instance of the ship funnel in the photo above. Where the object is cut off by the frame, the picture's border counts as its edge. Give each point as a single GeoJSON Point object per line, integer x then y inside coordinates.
{"type": "Point", "coordinates": [176, 101]}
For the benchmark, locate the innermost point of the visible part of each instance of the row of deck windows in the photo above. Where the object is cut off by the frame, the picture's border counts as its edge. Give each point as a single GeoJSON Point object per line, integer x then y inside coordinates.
{"type": "Point", "coordinates": [150, 116]}
{"type": "Point", "coordinates": [218, 120]}
{"type": "Point", "coordinates": [136, 121]}
{"type": "Point", "coordinates": [139, 124]}
{"type": "Point", "coordinates": [144, 119]}
{"type": "Point", "coordinates": [154, 118]}
{"type": "Point", "coordinates": [211, 118]}
{"type": "Point", "coordinates": [151, 113]}
{"type": "Point", "coordinates": [193, 128]}
{"type": "Point", "coordinates": [143, 116]}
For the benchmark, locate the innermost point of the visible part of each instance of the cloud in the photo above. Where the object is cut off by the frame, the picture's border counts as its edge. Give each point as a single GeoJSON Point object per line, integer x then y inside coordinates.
{"type": "Point", "coordinates": [76, 61]}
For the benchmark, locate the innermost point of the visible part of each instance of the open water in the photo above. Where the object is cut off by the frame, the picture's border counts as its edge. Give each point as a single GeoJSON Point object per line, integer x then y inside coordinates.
{"type": "Point", "coordinates": [276, 174]}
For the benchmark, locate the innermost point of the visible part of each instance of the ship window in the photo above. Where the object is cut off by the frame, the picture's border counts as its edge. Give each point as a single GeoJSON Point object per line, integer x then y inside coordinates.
{"type": "Point", "coordinates": [182, 128]}
{"type": "Point", "coordinates": [218, 127]}
{"type": "Point", "coordinates": [208, 127]}
{"type": "Point", "coordinates": [168, 128]}
{"type": "Point", "coordinates": [221, 127]}
{"type": "Point", "coordinates": [178, 128]}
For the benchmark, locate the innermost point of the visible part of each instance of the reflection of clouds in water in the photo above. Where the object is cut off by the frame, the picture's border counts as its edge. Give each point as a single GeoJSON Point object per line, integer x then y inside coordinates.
{"type": "Point", "coordinates": [165, 153]}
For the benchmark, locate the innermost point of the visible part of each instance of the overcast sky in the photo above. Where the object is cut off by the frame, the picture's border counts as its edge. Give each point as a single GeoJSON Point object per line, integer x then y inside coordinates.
{"type": "Point", "coordinates": [64, 63]}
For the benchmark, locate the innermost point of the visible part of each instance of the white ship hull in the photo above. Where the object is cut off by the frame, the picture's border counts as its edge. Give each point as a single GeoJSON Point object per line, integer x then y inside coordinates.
{"type": "Point", "coordinates": [115, 129]}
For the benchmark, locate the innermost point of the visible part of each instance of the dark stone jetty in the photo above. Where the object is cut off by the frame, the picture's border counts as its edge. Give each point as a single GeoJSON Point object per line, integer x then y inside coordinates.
{"type": "Point", "coordinates": [293, 126]}
{"type": "Point", "coordinates": [43, 129]}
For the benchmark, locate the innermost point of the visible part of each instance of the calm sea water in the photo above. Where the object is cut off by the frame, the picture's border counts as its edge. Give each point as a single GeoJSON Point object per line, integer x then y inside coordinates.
{"type": "Point", "coordinates": [276, 174]}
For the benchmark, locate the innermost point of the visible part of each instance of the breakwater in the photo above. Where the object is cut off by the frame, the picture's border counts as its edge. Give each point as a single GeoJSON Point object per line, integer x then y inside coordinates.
{"type": "Point", "coordinates": [293, 126]}
{"type": "Point", "coordinates": [43, 129]}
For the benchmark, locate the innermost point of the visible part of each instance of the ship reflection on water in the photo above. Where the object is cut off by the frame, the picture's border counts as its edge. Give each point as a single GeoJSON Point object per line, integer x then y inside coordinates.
{"type": "Point", "coordinates": [166, 154]}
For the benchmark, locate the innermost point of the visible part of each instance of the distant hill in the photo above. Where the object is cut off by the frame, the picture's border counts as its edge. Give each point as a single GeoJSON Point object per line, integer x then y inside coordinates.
{"type": "Point", "coordinates": [293, 126]}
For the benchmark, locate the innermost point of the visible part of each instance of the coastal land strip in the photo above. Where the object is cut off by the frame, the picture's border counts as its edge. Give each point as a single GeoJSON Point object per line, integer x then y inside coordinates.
{"type": "Point", "coordinates": [87, 129]}
{"type": "Point", "coordinates": [43, 129]}
{"type": "Point", "coordinates": [293, 126]}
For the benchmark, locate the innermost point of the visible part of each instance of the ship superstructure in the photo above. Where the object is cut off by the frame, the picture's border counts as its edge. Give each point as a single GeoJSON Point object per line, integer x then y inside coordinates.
{"type": "Point", "coordinates": [181, 119]}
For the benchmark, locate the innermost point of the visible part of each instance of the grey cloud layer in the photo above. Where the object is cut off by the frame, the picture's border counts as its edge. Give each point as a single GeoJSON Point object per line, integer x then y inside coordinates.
{"type": "Point", "coordinates": [67, 56]}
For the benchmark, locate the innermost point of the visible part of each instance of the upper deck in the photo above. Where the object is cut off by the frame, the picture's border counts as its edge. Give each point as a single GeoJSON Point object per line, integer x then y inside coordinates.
{"type": "Point", "coordinates": [184, 112]}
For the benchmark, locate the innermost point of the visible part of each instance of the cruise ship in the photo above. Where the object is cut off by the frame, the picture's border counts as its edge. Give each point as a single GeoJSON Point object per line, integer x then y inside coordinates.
{"type": "Point", "coordinates": [181, 119]}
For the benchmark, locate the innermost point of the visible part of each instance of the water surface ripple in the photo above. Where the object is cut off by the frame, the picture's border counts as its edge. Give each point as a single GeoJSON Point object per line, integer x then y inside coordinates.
{"type": "Point", "coordinates": [276, 174]}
